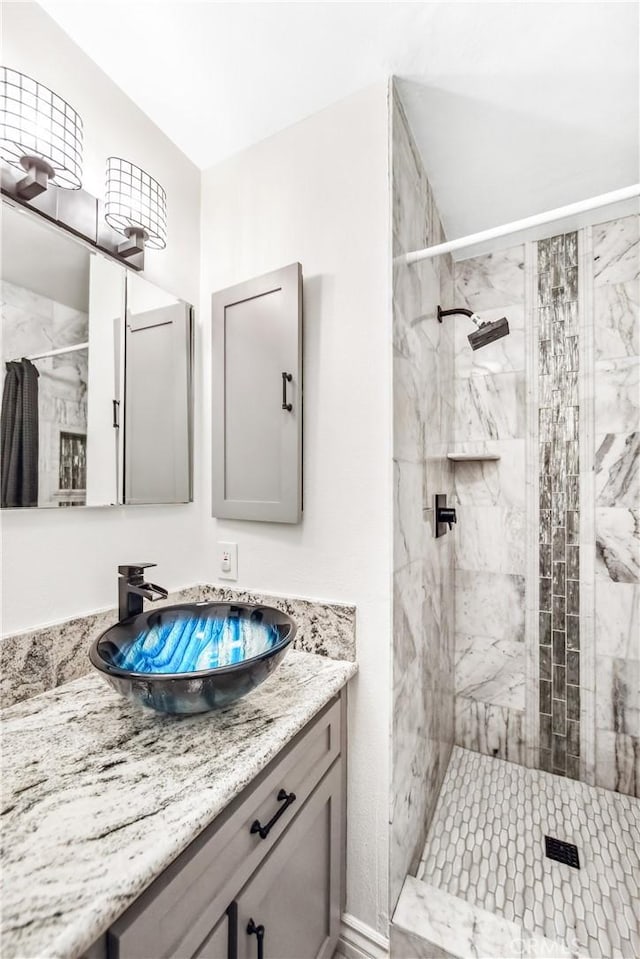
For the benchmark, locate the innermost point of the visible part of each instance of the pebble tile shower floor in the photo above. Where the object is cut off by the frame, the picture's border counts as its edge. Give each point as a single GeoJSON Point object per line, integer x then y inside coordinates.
{"type": "Point", "coordinates": [486, 845]}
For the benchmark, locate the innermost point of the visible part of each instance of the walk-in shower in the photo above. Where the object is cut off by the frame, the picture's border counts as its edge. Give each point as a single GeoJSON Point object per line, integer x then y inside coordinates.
{"type": "Point", "coordinates": [515, 650]}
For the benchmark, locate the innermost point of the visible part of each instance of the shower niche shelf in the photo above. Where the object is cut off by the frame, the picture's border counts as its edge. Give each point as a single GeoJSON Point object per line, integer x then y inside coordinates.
{"type": "Point", "coordinates": [473, 457]}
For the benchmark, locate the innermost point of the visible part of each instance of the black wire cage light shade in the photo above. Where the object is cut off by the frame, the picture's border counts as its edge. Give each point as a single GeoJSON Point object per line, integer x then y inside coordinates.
{"type": "Point", "coordinates": [135, 206]}
{"type": "Point", "coordinates": [40, 133]}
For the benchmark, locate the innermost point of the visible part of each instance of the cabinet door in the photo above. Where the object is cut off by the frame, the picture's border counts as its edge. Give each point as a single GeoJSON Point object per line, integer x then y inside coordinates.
{"type": "Point", "coordinates": [157, 436]}
{"type": "Point", "coordinates": [221, 942]}
{"type": "Point", "coordinates": [293, 900]}
{"type": "Point", "coordinates": [257, 398]}
{"type": "Point", "coordinates": [104, 383]}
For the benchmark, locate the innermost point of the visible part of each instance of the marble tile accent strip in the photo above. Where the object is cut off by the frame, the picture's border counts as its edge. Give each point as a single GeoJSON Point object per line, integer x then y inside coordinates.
{"type": "Point", "coordinates": [559, 502]}
{"type": "Point", "coordinates": [88, 821]}
{"type": "Point", "coordinates": [486, 846]}
{"type": "Point", "coordinates": [36, 661]}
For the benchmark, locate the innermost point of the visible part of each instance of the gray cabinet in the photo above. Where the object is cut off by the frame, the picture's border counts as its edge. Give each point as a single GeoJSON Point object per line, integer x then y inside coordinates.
{"type": "Point", "coordinates": [219, 944]}
{"type": "Point", "coordinates": [158, 429]}
{"type": "Point", "coordinates": [289, 900]}
{"type": "Point", "coordinates": [257, 398]}
{"type": "Point", "coordinates": [289, 880]}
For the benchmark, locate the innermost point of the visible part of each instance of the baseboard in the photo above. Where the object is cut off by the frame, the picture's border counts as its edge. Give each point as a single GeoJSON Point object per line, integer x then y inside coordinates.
{"type": "Point", "coordinates": [359, 941]}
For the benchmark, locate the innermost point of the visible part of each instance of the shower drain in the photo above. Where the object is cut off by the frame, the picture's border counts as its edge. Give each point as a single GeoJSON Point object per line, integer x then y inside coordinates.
{"type": "Point", "coordinates": [561, 851]}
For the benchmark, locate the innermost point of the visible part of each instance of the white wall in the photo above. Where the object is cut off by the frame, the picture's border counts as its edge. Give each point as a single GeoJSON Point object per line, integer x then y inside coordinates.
{"type": "Point", "coordinates": [57, 565]}
{"type": "Point", "coordinates": [318, 193]}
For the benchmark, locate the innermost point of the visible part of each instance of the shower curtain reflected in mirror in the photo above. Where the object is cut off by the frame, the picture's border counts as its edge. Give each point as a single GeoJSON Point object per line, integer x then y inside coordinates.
{"type": "Point", "coordinates": [19, 435]}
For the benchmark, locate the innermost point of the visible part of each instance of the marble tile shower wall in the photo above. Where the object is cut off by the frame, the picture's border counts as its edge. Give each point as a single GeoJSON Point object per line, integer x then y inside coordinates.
{"type": "Point", "coordinates": [616, 296]}
{"type": "Point", "coordinates": [490, 496]}
{"type": "Point", "coordinates": [423, 693]}
{"type": "Point", "coordinates": [597, 658]}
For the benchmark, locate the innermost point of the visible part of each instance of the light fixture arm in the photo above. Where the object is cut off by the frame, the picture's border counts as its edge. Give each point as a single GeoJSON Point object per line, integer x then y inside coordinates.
{"type": "Point", "coordinates": [134, 244]}
{"type": "Point", "coordinates": [39, 172]}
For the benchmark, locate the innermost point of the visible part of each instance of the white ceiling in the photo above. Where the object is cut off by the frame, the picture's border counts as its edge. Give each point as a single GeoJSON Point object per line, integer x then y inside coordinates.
{"type": "Point", "coordinates": [517, 107]}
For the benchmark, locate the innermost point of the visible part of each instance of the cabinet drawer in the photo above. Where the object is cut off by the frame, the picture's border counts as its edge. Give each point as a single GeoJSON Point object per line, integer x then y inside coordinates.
{"type": "Point", "coordinates": [174, 916]}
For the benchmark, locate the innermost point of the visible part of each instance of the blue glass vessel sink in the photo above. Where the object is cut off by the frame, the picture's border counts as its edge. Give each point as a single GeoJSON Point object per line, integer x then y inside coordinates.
{"type": "Point", "coordinates": [193, 657]}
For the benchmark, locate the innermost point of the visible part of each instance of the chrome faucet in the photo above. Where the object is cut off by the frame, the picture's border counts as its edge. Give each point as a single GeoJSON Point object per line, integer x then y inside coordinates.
{"type": "Point", "coordinates": [132, 590]}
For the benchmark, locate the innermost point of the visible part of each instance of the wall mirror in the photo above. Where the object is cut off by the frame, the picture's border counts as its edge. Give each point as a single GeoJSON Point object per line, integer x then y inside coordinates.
{"type": "Point", "coordinates": [96, 376]}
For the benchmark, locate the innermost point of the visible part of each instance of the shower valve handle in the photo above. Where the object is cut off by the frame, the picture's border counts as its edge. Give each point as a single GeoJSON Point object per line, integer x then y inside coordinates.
{"type": "Point", "coordinates": [446, 514]}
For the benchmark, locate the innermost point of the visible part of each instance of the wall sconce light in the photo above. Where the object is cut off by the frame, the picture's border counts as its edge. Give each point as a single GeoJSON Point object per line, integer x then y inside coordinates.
{"type": "Point", "coordinates": [41, 136]}
{"type": "Point", "coordinates": [136, 207]}
{"type": "Point", "coordinates": [39, 133]}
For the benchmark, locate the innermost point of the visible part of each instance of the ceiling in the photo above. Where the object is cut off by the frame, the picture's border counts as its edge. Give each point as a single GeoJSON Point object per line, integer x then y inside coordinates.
{"type": "Point", "coordinates": [517, 107]}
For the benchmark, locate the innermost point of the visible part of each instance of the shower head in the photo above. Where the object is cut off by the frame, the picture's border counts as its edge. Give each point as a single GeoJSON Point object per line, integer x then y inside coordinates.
{"type": "Point", "coordinates": [488, 332]}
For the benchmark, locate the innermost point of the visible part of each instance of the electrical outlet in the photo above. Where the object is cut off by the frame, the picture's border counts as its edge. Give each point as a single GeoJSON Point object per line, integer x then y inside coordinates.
{"type": "Point", "coordinates": [227, 561]}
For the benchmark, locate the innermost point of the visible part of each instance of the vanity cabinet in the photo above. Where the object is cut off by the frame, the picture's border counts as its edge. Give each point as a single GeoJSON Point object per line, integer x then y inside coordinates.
{"type": "Point", "coordinates": [290, 895]}
{"type": "Point", "coordinates": [265, 880]}
{"type": "Point", "coordinates": [257, 398]}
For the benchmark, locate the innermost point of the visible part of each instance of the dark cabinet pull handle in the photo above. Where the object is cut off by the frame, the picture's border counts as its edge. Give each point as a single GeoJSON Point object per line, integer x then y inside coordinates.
{"type": "Point", "coordinates": [286, 378]}
{"type": "Point", "coordinates": [232, 936]}
{"type": "Point", "coordinates": [116, 414]}
{"type": "Point", "coordinates": [286, 799]}
{"type": "Point", "coordinates": [258, 932]}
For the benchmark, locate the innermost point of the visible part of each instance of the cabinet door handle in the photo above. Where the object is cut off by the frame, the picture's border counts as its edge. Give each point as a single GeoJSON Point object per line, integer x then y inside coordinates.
{"type": "Point", "coordinates": [232, 934]}
{"type": "Point", "coordinates": [258, 932]}
{"type": "Point", "coordinates": [286, 378]}
{"type": "Point", "coordinates": [286, 799]}
{"type": "Point", "coordinates": [116, 414]}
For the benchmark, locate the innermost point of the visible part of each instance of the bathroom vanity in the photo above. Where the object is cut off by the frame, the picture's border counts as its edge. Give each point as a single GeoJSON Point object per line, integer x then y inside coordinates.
{"type": "Point", "coordinates": [131, 835]}
{"type": "Point", "coordinates": [270, 863]}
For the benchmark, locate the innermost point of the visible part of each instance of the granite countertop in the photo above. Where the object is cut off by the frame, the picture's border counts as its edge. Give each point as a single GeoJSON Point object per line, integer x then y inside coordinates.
{"type": "Point", "coordinates": [99, 796]}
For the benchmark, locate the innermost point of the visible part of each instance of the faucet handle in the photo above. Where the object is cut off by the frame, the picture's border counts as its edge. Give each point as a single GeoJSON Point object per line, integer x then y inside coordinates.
{"type": "Point", "coordinates": [134, 569]}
